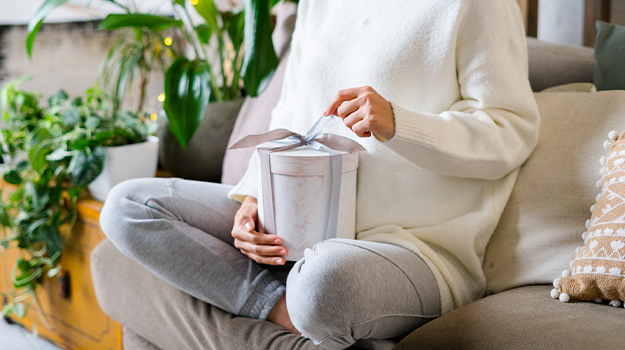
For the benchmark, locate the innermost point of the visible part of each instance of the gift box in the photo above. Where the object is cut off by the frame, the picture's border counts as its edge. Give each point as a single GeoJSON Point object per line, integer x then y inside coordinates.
{"type": "Point", "coordinates": [307, 185]}
{"type": "Point", "coordinates": [301, 194]}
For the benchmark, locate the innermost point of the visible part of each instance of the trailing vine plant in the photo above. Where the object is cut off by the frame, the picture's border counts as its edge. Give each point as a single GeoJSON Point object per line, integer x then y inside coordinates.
{"type": "Point", "coordinates": [52, 154]}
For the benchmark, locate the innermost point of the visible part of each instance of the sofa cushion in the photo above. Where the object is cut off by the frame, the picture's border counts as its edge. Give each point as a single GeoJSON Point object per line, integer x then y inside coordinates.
{"type": "Point", "coordinates": [522, 318]}
{"type": "Point", "coordinates": [168, 318]}
{"type": "Point", "coordinates": [597, 270]}
{"type": "Point", "coordinates": [544, 219]}
{"type": "Point", "coordinates": [554, 64]}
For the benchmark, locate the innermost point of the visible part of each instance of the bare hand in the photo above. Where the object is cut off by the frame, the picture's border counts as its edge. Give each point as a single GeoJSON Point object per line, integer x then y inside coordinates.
{"type": "Point", "coordinates": [260, 247]}
{"type": "Point", "coordinates": [364, 111]}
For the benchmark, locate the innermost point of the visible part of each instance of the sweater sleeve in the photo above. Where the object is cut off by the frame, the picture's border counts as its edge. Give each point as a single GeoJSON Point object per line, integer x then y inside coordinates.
{"type": "Point", "coordinates": [493, 128]}
{"type": "Point", "coordinates": [281, 115]}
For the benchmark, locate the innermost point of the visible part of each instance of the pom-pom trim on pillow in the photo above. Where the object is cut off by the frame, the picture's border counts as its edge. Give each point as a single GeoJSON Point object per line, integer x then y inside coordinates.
{"type": "Point", "coordinates": [598, 271]}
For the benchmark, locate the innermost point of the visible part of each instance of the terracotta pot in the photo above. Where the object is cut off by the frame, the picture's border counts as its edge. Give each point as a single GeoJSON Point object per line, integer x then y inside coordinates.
{"type": "Point", "coordinates": [203, 158]}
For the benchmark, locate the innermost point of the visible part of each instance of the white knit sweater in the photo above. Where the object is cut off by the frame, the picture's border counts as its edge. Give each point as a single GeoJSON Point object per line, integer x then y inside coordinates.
{"type": "Point", "coordinates": [456, 73]}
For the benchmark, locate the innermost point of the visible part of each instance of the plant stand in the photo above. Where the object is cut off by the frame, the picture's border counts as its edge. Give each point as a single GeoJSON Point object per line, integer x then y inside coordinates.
{"type": "Point", "coordinates": [68, 301]}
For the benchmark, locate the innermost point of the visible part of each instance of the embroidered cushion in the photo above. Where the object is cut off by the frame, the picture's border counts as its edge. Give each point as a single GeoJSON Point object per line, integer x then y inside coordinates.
{"type": "Point", "coordinates": [598, 270]}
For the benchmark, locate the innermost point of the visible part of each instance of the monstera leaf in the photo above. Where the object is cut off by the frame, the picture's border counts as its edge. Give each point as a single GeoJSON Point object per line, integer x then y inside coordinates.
{"type": "Point", "coordinates": [187, 92]}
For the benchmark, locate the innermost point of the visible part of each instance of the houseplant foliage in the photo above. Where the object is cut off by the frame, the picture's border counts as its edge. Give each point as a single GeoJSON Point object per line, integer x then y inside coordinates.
{"type": "Point", "coordinates": [227, 49]}
{"type": "Point", "coordinates": [55, 152]}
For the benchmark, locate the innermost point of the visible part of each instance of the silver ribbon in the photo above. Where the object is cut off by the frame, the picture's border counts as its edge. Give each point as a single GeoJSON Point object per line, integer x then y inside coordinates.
{"type": "Point", "coordinates": [315, 139]}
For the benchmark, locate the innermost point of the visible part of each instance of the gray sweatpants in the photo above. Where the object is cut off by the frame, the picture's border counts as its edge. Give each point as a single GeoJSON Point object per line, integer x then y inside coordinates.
{"type": "Point", "coordinates": [341, 291]}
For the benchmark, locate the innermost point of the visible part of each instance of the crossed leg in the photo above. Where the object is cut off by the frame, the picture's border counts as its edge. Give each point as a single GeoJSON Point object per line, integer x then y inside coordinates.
{"type": "Point", "coordinates": [341, 291]}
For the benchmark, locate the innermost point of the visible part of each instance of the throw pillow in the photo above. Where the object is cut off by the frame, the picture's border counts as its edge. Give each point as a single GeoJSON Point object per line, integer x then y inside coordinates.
{"type": "Point", "coordinates": [609, 53]}
{"type": "Point", "coordinates": [598, 270]}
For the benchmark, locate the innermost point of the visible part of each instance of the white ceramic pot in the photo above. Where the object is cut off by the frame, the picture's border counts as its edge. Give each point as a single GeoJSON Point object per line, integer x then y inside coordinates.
{"type": "Point", "coordinates": [124, 163]}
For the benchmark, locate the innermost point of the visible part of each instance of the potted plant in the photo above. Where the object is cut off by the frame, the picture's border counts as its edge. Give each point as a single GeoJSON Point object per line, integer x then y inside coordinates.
{"type": "Point", "coordinates": [230, 54]}
{"type": "Point", "coordinates": [53, 154]}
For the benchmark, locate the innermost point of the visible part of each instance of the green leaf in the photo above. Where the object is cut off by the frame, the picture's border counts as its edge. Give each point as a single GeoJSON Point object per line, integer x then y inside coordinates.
{"type": "Point", "coordinates": [207, 9]}
{"type": "Point", "coordinates": [13, 177]}
{"type": "Point", "coordinates": [35, 22]}
{"type": "Point", "coordinates": [17, 195]}
{"type": "Point", "coordinates": [259, 57]}
{"type": "Point", "coordinates": [37, 157]}
{"type": "Point", "coordinates": [21, 165]}
{"type": "Point", "coordinates": [79, 144]}
{"type": "Point", "coordinates": [235, 24]}
{"type": "Point", "coordinates": [77, 101]}
{"type": "Point", "coordinates": [137, 20]}
{"type": "Point", "coordinates": [71, 116]}
{"type": "Point", "coordinates": [86, 166]}
{"type": "Point", "coordinates": [203, 33]}
{"type": "Point", "coordinates": [92, 122]}
{"type": "Point", "coordinates": [4, 219]}
{"type": "Point", "coordinates": [58, 98]}
{"type": "Point", "coordinates": [103, 136]}
{"type": "Point", "coordinates": [52, 238]}
{"type": "Point", "coordinates": [187, 91]}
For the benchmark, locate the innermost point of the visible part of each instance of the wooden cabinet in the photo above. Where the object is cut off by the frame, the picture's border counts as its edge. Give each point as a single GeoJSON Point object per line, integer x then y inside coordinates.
{"type": "Point", "coordinates": [77, 322]}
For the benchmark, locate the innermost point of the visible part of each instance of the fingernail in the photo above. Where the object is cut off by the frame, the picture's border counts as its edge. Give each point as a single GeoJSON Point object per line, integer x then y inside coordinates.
{"type": "Point", "coordinates": [248, 225]}
{"type": "Point", "coordinates": [282, 251]}
{"type": "Point", "coordinates": [276, 241]}
{"type": "Point", "coordinates": [278, 261]}
{"type": "Point", "coordinates": [325, 112]}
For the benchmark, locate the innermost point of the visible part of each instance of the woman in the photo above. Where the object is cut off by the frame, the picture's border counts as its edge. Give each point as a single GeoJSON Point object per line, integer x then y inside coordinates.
{"type": "Point", "coordinates": [437, 92]}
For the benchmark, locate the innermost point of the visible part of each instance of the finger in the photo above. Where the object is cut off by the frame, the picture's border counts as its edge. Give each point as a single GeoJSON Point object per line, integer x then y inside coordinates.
{"type": "Point", "coordinates": [255, 237]}
{"type": "Point", "coordinates": [264, 260]}
{"type": "Point", "coordinates": [245, 220]}
{"type": "Point", "coordinates": [339, 98]}
{"type": "Point", "coordinates": [349, 107]}
{"type": "Point", "coordinates": [361, 128]}
{"type": "Point", "coordinates": [261, 250]}
{"type": "Point", "coordinates": [353, 118]}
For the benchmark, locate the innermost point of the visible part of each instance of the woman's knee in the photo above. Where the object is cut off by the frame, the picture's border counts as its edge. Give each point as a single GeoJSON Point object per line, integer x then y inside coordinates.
{"type": "Point", "coordinates": [318, 295]}
{"type": "Point", "coordinates": [122, 211]}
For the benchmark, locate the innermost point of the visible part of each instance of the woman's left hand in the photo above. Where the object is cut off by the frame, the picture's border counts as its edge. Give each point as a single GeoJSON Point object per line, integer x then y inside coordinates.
{"type": "Point", "coordinates": [364, 111]}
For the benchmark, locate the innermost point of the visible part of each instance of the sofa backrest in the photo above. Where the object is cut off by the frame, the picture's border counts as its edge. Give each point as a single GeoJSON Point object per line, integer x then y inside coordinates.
{"type": "Point", "coordinates": [545, 217]}
{"type": "Point", "coordinates": [554, 64]}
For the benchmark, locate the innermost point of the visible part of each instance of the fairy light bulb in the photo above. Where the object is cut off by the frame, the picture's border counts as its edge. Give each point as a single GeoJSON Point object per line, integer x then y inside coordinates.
{"type": "Point", "coordinates": [167, 41]}
{"type": "Point", "coordinates": [161, 97]}
{"type": "Point", "coordinates": [153, 117]}
{"type": "Point", "coordinates": [194, 2]}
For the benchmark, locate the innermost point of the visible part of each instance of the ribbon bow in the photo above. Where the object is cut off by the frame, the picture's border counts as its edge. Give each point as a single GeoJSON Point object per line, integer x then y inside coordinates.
{"type": "Point", "coordinates": [315, 139]}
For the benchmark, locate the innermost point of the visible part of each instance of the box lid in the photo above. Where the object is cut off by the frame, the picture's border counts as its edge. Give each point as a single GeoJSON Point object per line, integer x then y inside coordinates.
{"type": "Point", "coordinates": [306, 161]}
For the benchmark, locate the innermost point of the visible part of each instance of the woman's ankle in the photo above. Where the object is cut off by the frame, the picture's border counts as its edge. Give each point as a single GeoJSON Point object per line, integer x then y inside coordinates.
{"type": "Point", "coordinates": [280, 315]}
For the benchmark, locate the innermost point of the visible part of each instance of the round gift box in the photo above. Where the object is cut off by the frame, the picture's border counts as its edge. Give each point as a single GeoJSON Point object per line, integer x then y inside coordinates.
{"type": "Point", "coordinates": [301, 181]}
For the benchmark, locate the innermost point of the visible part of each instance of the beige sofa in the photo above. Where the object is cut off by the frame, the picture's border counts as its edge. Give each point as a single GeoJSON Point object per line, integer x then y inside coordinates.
{"type": "Point", "coordinates": [534, 241]}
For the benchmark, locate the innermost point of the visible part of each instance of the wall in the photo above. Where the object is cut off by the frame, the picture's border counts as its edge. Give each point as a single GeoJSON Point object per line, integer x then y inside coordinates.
{"type": "Point", "coordinates": [562, 21]}
{"type": "Point", "coordinates": [65, 55]}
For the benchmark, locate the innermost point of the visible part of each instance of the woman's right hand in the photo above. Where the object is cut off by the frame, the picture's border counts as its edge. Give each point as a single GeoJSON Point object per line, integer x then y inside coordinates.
{"type": "Point", "coordinates": [260, 247]}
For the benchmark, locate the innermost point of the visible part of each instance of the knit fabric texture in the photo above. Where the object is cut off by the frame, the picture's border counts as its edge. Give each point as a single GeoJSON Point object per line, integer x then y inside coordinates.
{"type": "Point", "coordinates": [599, 267]}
